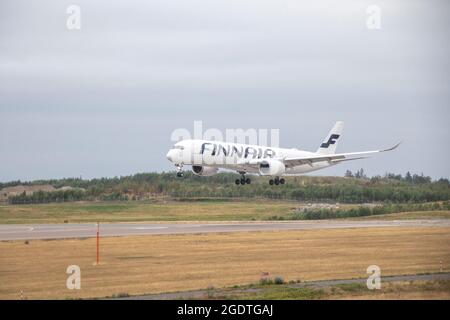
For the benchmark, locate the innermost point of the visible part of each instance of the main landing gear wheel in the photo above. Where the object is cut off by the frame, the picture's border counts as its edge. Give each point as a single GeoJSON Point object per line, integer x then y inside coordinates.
{"type": "Point", "coordinates": [277, 181]}
{"type": "Point", "coordinates": [243, 180]}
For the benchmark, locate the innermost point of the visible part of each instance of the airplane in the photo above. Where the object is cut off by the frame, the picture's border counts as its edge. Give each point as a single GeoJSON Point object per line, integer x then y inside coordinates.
{"type": "Point", "coordinates": [207, 157]}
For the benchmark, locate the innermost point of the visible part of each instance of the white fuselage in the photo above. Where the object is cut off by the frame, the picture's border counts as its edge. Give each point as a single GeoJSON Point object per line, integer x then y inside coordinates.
{"type": "Point", "coordinates": [238, 157]}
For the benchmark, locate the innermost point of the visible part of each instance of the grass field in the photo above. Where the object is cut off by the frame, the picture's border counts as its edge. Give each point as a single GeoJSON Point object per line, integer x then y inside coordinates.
{"type": "Point", "coordinates": [141, 211]}
{"type": "Point", "coordinates": [401, 290]}
{"type": "Point", "coordinates": [410, 215]}
{"type": "Point", "coordinates": [164, 263]}
{"type": "Point", "coordinates": [75, 212]}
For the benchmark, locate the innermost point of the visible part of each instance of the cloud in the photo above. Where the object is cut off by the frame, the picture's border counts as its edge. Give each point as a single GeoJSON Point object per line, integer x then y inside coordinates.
{"type": "Point", "coordinates": [104, 100]}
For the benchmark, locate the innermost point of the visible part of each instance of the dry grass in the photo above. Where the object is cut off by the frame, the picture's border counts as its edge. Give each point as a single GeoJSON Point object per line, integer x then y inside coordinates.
{"type": "Point", "coordinates": [150, 264]}
{"type": "Point", "coordinates": [140, 211]}
{"type": "Point", "coordinates": [244, 210]}
{"type": "Point", "coordinates": [410, 290]}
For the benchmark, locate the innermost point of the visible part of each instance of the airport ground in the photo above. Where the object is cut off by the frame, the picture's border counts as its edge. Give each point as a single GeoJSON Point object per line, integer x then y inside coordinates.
{"type": "Point", "coordinates": [223, 263]}
{"type": "Point", "coordinates": [140, 265]}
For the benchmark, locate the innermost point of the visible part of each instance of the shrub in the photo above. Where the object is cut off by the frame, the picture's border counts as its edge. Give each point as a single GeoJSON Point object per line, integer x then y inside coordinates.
{"type": "Point", "coordinates": [363, 211]}
{"type": "Point", "coordinates": [278, 280]}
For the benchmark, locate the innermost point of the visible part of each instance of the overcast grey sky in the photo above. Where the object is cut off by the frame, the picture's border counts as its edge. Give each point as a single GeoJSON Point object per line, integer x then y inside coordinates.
{"type": "Point", "coordinates": [104, 100]}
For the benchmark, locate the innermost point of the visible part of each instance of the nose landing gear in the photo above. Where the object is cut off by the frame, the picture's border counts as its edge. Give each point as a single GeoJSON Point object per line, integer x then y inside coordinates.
{"type": "Point", "coordinates": [180, 172]}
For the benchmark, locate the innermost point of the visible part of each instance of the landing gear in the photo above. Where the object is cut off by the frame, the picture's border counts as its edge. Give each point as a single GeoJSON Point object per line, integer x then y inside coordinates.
{"type": "Point", "coordinates": [180, 172]}
{"type": "Point", "coordinates": [243, 180]}
{"type": "Point", "coordinates": [277, 181]}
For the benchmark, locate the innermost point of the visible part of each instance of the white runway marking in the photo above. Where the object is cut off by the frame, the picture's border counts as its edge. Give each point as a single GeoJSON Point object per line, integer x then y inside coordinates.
{"type": "Point", "coordinates": [150, 228]}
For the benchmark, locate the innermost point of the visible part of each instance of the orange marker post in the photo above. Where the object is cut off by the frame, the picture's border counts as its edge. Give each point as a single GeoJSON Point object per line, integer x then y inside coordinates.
{"type": "Point", "coordinates": [98, 243]}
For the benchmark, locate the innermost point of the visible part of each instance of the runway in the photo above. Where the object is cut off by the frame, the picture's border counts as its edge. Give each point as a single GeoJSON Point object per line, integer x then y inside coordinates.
{"type": "Point", "coordinates": [84, 230]}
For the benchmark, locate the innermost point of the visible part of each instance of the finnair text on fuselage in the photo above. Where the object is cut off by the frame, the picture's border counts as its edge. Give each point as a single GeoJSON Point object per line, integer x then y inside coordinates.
{"type": "Point", "coordinates": [203, 152]}
{"type": "Point", "coordinates": [236, 150]}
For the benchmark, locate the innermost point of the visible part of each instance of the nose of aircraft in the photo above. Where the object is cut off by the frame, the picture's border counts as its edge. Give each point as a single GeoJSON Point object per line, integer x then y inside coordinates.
{"type": "Point", "coordinates": [169, 156]}
{"type": "Point", "coordinates": [172, 155]}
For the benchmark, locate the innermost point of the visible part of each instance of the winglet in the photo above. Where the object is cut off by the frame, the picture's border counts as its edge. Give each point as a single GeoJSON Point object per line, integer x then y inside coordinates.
{"type": "Point", "coordinates": [393, 148]}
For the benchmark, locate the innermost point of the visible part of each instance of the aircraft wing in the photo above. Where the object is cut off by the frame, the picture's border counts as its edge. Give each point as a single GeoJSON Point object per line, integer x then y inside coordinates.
{"type": "Point", "coordinates": [332, 158]}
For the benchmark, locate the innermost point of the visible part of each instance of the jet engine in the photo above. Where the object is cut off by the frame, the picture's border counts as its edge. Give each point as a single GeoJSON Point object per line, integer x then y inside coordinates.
{"type": "Point", "coordinates": [204, 171]}
{"type": "Point", "coordinates": [271, 168]}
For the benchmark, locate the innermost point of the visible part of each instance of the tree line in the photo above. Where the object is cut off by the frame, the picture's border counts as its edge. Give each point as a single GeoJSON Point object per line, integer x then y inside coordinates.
{"type": "Point", "coordinates": [144, 186]}
{"type": "Point", "coordinates": [408, 177]}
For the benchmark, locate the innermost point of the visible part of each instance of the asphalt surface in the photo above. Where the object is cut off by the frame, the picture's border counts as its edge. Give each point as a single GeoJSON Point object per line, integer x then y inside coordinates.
{"type": "Point", "coordinates": [84, 230]}
{"type": "Point", "coordinates": [202, 294]}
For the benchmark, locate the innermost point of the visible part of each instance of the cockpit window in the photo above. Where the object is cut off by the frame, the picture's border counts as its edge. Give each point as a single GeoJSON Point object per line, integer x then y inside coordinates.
{"type": "Point", "coordinates": [178, 147]}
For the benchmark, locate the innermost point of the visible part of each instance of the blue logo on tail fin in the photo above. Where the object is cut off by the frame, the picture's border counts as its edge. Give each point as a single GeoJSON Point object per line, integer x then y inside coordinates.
{"type": "Point", "coordinates": [332, 140]}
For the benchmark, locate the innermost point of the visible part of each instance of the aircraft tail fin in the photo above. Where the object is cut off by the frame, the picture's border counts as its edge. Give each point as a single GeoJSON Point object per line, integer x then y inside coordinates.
{"type": "Point", "coordinates": [330, 143]}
